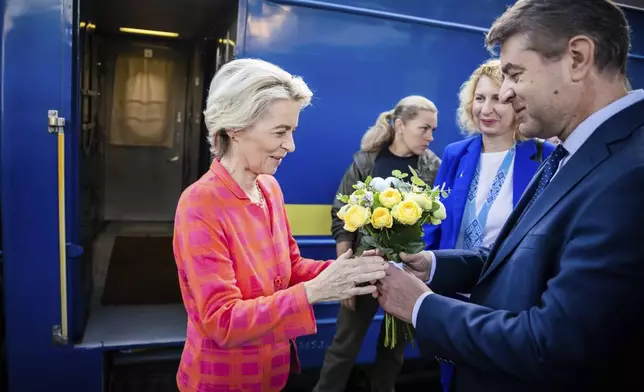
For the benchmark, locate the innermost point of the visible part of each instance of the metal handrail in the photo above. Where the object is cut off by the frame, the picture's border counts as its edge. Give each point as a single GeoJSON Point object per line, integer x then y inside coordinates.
{"type": "Point", "coordinates": [62, 241]}
{"type": "Point", "coordinates": [57, 126]}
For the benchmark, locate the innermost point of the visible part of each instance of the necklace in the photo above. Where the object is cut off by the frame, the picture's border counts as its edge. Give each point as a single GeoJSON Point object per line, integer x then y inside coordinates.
{"type": "Point", "coordinates": [261, 201]}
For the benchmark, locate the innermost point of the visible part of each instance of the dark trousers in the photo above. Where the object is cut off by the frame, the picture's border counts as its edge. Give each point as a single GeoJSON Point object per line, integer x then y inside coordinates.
{"type": "Point", "coordinates": [351, 328]}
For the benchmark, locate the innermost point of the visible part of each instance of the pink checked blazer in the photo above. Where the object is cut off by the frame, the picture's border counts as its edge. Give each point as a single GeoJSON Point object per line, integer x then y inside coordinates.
{"type": "Point", "coordinates": [240, 273]}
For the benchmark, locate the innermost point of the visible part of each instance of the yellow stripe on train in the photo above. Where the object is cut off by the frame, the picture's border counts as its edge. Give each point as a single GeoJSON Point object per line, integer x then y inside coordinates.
{"type": "Point", "coordinates": [309, 219]}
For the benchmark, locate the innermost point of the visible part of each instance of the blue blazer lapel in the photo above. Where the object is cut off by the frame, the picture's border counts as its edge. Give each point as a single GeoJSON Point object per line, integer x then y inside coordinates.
{"type": "Point", "coordinates": [591, 154]}
{"type": "Point", "coordinates": [525, 162]}
{"type": "Point", "coordinates": [464, 175]}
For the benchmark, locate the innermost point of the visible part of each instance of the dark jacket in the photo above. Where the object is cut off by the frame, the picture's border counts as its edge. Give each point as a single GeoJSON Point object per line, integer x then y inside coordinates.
{"type": "Point", "coordinates": [361, 167]}
{"type": "Point", "coordinates": [557, 302]}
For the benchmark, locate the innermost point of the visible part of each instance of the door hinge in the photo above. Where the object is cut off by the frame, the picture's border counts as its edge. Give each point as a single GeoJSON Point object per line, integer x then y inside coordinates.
{"type": "Point", "coordinates": [56, 124]}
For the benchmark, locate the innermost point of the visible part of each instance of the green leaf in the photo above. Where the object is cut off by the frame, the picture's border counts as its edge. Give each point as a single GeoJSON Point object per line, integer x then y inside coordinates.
{"type": "Point", "coordinates": [376, 200]}
{"type": "Point", "coordinates": [414, 247]}
{"type": "Point", "coordinates": [401, 235]}
{"type": "Point", "coordinates": [342, 198]}
{"type": "Point", "coordinates": [368, 180]}
{"type": "Point", "coordinates": [404, 175]}
{"type": "Point", "coordinates": [413, 172]}
{"type": "Point", "coordinates": [417, 181]}
{"type": "Point", "coordinates": [396, 173]}
{"type": "Point", "coordinates": [369, 242]}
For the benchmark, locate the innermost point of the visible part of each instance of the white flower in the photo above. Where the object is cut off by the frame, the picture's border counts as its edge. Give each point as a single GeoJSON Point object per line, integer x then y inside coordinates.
{"type": "Point", "coordinates": [393, 181]}
{"type": "Point", "coordinates": [379, 184]}
{"type": "Point", "coordinates": [368, 196]}
{"type": "Point", "coordinates": [440, 213]}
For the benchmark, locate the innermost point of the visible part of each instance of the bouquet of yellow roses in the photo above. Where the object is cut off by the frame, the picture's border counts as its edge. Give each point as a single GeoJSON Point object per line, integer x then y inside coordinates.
{"type": "Point", "coordinates": [390, 214]}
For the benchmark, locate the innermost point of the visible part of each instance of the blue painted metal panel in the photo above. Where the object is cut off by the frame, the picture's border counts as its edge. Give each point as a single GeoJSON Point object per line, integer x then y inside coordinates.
{"type": "Point", "coordinates": [36, 73]}
{"type": "Point", "coordinates": [636, 21]}
{"type": "Point", "coordinates": [636, 72]}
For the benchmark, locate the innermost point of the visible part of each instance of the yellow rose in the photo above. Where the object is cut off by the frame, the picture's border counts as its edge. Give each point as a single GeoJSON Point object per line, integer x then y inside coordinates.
{"type": "Point", "coordinates": [343, 211]}
{"type": "Point", "coordinates": [424, 201]}
{"type": "Point", "coordinates": [440, 213]}
{"type": "Point", "coordinates": [381, 218]}
{"type": "Point", "coordinates": [407, 212]}
{"type": "Point", "coordinates": [355, 217]}
{"type": "Point", "coordinates": [389, 197]}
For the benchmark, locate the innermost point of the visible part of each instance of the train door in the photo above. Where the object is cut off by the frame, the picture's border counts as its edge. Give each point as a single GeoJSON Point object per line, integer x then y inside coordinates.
{"type": "Point", "coordinates": [144, 146]}
{"type": "Point", "coordinates": [142, 84]}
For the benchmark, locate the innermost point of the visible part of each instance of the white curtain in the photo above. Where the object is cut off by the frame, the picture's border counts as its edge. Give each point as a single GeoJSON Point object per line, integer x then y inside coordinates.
{"type": "Point", "coordinates": [142, 112]}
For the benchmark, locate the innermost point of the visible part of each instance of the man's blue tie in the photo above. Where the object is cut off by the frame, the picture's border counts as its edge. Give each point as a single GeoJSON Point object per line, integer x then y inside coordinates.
{"type": "Point", "coordinates": [549, 170]}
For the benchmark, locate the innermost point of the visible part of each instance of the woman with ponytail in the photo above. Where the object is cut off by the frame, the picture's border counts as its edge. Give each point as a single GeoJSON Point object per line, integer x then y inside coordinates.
{"type": "Point", "coordinates": [399, 139]}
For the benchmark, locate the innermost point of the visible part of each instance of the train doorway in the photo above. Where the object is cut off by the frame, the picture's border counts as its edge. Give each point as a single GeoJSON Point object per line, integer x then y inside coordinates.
{"type": "Point", "coordinates": [145, 129]}
{"type": "Point", "coordinates": [142, 69]}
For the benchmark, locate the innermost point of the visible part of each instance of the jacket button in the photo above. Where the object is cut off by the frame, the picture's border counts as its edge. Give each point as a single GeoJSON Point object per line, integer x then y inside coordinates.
{"type": "Point", "coordinates": [279, 282]}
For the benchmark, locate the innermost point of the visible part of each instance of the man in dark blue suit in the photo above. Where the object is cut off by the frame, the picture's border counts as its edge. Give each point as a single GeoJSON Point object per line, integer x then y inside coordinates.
{"type": "Point", "coordinates": [557, 303]}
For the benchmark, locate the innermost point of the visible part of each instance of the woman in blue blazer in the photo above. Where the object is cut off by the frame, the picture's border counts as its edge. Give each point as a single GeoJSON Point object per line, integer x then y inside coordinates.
{"type": "Point", "coordinates": [486, 173]}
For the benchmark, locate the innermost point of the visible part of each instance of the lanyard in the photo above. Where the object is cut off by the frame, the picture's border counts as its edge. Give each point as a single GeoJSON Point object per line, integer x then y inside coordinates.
{"type": "Point", "coordinates": [475, 225]}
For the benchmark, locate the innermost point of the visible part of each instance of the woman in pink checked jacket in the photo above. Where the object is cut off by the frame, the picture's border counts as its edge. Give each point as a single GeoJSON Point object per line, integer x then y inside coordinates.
{"type": "Point", "coordinates": [247, 290]}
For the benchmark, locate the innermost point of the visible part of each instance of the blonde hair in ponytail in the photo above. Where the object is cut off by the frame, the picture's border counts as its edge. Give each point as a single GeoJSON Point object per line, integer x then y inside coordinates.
{"type": "Point", "coordinates": [382, 132]}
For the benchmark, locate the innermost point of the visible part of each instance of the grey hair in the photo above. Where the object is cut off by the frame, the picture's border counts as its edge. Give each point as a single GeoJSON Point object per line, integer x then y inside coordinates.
{"type": "Point", "coordinates": [240, 93]}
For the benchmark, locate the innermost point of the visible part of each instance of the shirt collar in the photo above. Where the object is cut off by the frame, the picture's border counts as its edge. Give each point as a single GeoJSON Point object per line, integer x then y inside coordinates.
{"type": "Point", "coordinates": [587, 127]}
{"type": "Point", "coordinates": [220, 171]}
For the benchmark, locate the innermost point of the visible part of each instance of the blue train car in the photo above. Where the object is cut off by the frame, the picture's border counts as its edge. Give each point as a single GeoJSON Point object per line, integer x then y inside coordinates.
{"type": "Point", "coordinates": [101, 130]}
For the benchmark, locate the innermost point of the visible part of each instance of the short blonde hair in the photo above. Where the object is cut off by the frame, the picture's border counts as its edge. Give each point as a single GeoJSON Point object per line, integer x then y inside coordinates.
{"type": "Point", "coordinates": [240, 93]}
{"type": "Point", "coordinates": [382, 132]}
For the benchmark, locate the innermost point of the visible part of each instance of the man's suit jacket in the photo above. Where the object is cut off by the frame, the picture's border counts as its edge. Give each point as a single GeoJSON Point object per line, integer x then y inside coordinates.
{"type": "Point", "coordinates": [457, 170]}
{"type": "Point", "coordinates": [558, 304]}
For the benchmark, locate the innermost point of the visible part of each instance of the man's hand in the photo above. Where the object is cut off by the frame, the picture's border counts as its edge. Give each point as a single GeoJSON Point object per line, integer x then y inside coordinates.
{"type": "Point", "coordinates": [398, 292]}
{"type": "Point", "coordinates": [418, 264]}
